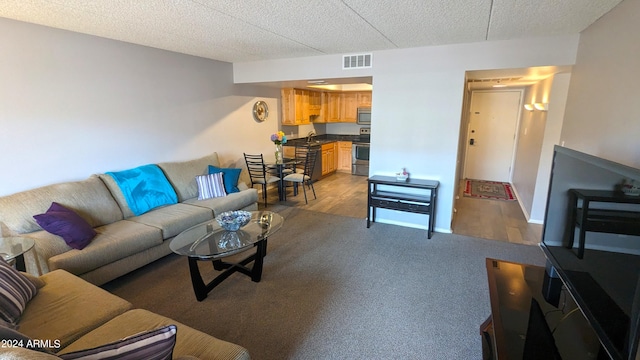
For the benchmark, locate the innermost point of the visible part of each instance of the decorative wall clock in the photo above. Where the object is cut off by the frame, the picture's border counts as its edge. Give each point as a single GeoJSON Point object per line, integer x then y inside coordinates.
{"type": "Point", "coordinates": [260, 111]}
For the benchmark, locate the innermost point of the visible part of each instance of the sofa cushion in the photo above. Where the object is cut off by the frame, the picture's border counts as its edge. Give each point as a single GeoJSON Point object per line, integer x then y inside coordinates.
{"type": "Point", "coordinates": [182, 174]}
{"type": "Point", "coordinates": [15, 292]}
{"type": "Point", "coordinates": [20, 353]}
{"type": "Point", "coordinates": [67, 307]}
{"type": "Point", "coordinates": [88, 198]}
{"type": "Point", "coordinates": [230, 177]}
{"type": "Point", "coordinates": [144, 188]}
{"type": "Point", "coordinates": [73, 229]}
{"type": "Point", "coordinates": [11, 338]}
{"type": "Point", "coordinates": [113, 242]}
{"type": "Point", "coordinates": [154, 345]}
{"type": "Point", "coordinates": [188, 340]}
{"type": "Point", "coordinates": [174, 219]}
{"type": "Point", "coordinates": [210, 186]}
{"type": "Point", "coordinates": [235, 201]}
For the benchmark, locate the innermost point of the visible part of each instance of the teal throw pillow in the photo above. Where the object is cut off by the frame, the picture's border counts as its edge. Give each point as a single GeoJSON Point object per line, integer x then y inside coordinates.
{"type": "Point", "coordinates": [230, 177]}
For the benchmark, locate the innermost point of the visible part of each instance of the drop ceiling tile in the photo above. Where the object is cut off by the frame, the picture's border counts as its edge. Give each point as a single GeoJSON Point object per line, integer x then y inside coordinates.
{"type": "Point", "coordinates": [519, 18]}
{"type": "Point", "coordinates": [411, 23]}
{"type": "Point", "coordinates": [245, 30]}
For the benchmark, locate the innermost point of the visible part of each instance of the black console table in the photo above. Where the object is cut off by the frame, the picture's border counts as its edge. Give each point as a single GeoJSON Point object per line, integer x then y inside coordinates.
{"type": "Point", "coordinates": [402, 201]}
{"type": "Point", "coordinates": [588, 218]}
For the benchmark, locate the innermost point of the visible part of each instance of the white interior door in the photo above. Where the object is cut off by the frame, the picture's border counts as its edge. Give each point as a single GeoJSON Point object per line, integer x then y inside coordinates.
{"type": "Point", "coordinates": [491, 135]}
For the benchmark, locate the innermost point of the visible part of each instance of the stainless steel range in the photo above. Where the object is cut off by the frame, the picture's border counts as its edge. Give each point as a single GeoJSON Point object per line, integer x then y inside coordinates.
{"type": "Point", "coordinates": [360, 153]}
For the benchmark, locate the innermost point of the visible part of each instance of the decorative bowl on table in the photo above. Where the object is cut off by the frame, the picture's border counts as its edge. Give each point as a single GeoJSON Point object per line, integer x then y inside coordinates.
{"type": "Point", "coordinates": [233, 220]}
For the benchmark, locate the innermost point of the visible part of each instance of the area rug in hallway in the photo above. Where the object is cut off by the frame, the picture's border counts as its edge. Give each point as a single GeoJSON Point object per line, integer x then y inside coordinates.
{"type": "Point", "coordinates": [488, 190]}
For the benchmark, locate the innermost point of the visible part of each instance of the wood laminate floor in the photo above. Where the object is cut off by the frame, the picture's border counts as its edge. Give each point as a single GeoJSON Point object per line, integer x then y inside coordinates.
{"type": "Point", "coordinates": [493, 219]}
{"type": "Point", "coordinates": [346, 195]}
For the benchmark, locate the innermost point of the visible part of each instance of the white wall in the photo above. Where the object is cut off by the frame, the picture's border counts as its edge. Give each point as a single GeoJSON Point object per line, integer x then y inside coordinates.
{"type": "Point", "coordinates": [72, 105]}
{"type": "Point", "coordinates": [602, 116]}
{"type": "Point", "coordinates": [417, 102]}
{"type": "Point", "coordinates": [530, 136]}
{"type": "Point", "coordinates": [553, 127]}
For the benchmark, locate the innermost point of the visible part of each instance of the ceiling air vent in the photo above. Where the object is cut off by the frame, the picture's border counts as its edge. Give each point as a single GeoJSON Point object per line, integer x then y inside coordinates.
{"type": "Point", "coordinates": [356, 61]}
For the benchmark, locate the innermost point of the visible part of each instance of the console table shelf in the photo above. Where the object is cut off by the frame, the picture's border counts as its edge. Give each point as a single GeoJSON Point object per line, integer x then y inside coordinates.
{"type": "Point", "coordinates": [422, 203]}
{"type": "Point", "coordinates": [589, 218]}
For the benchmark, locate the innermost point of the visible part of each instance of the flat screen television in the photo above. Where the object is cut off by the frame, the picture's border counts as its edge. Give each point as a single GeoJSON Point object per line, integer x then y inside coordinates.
{"type": "Point", "coordinates": [604, 281]}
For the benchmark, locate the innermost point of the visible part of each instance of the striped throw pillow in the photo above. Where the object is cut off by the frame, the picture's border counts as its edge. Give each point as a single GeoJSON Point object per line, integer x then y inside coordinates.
{"type": "Point", "coordinates": [15, 292]}
{"type": "Point", "coordinates": [210, 186]}
{"type": "Point", "coordinates": [151, 345]}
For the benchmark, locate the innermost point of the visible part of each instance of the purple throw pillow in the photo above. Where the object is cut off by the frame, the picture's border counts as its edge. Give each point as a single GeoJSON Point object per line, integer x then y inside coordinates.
{"type": "Point", "coordinates": [59, 220]}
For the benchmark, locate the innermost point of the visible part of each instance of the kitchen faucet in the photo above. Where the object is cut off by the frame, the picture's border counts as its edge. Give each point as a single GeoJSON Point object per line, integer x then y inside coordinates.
{"type": "Point", "coordinates": [310, 135]}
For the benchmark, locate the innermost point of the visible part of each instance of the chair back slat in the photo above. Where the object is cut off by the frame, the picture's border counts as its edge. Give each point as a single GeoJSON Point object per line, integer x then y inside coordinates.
{"type": "Point", "coordinates": [255, 167]}
{"type": "Point", "coordinates": [306, 158]}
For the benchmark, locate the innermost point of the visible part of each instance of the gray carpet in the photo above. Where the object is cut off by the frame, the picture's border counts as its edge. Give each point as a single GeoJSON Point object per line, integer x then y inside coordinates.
{"type": "Point", "coordinates": [333, 289]}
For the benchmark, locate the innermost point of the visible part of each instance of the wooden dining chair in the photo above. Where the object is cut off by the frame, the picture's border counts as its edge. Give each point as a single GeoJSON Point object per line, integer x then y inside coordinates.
{"type": "Point", "coordinates": [307, 157]}
{"type": "Point", "coordinates": [258, 173]}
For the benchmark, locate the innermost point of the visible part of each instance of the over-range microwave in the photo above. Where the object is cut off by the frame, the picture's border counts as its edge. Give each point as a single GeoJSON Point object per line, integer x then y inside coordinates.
{"type": "Point", "coordinates": [364, 115]}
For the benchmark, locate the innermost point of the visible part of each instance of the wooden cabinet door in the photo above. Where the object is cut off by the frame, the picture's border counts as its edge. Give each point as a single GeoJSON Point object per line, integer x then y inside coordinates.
{"type": "Point", "coordinates": [325, 162]}
{"type": "Point", "coordinates": [364, 98]}
{"type": "Point", "coordinates": [349, 107]}
{"type": "Point", "coordinates": [288, 107]}
{"type": "Point", "coordinates": [295, 106]}
{"type": "Point", "coordinates": [334, 108]}
{"type": "Point", "coordinates": [315, 103]}
{"type": "Point", "coordinates": [331, 157]}
{"type": "Point", "coordinates": [344, 156]}
{"type": "Point", "coordinates": [289, 152]}
{"type": "Point", "coordinates": [302, 106]}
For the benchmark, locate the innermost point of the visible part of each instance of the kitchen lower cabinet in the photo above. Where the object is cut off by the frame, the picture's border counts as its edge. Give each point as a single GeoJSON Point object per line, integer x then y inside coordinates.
{"type": "Point", "coordinates": [344, 156]}
{"type": "Point", "coordinates": [329, 158]}
{"type": "Point", "coordinates": [289, 152]}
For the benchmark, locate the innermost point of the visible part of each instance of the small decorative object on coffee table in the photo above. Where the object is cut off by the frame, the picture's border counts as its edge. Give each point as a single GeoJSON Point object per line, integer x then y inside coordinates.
{"type": "Point", "coordinates": [233, 220]}
{"type": "Point", "coordinates": [209, 241]}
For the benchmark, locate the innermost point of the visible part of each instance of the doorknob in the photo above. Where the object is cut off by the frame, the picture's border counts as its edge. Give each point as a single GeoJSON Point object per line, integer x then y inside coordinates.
{"type": "Point", "coordinates": [472, 141]}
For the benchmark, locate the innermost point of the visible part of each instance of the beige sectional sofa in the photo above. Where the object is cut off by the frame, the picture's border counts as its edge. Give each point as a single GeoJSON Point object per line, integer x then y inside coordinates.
{"type": "Point", "coordinates": [124, 242]}
{"type": "Point", "coordinates": [68, 314]}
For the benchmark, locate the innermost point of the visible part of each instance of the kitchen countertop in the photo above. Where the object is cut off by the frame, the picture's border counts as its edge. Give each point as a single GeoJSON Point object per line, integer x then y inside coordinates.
{"type": "Point", "coordinates": [327, 138]}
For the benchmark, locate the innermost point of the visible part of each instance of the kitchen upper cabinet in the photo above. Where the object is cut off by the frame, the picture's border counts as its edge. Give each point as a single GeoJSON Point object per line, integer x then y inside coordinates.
{"type": "Point", "coordinates": [344, 156]}
{"type": "Point", "coordinates": [349, 107]}
{"type": "Point", "coordinates": [334, 109]}
{"type": "Point", "coordinates": [295, 106]}
{"type": "Point", "coordinates": [315, 102]}
{"type": "Point", "coordinates": [329, 158]}
{"type": "Point", "coordinates": [305, 106]}
{"type": "Point", "coordinates": [364, 98]}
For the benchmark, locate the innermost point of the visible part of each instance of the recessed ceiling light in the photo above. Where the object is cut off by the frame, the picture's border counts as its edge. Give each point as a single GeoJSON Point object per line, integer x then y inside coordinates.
{"type": "Point", "coordinates": [343, 87]}
{"type": "Point", "coordinates": [316, 82]}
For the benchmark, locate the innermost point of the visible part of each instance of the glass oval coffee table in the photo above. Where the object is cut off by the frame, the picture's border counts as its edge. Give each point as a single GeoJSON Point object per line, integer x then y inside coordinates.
{"type": "Point", "coordinates": [210, 242]}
